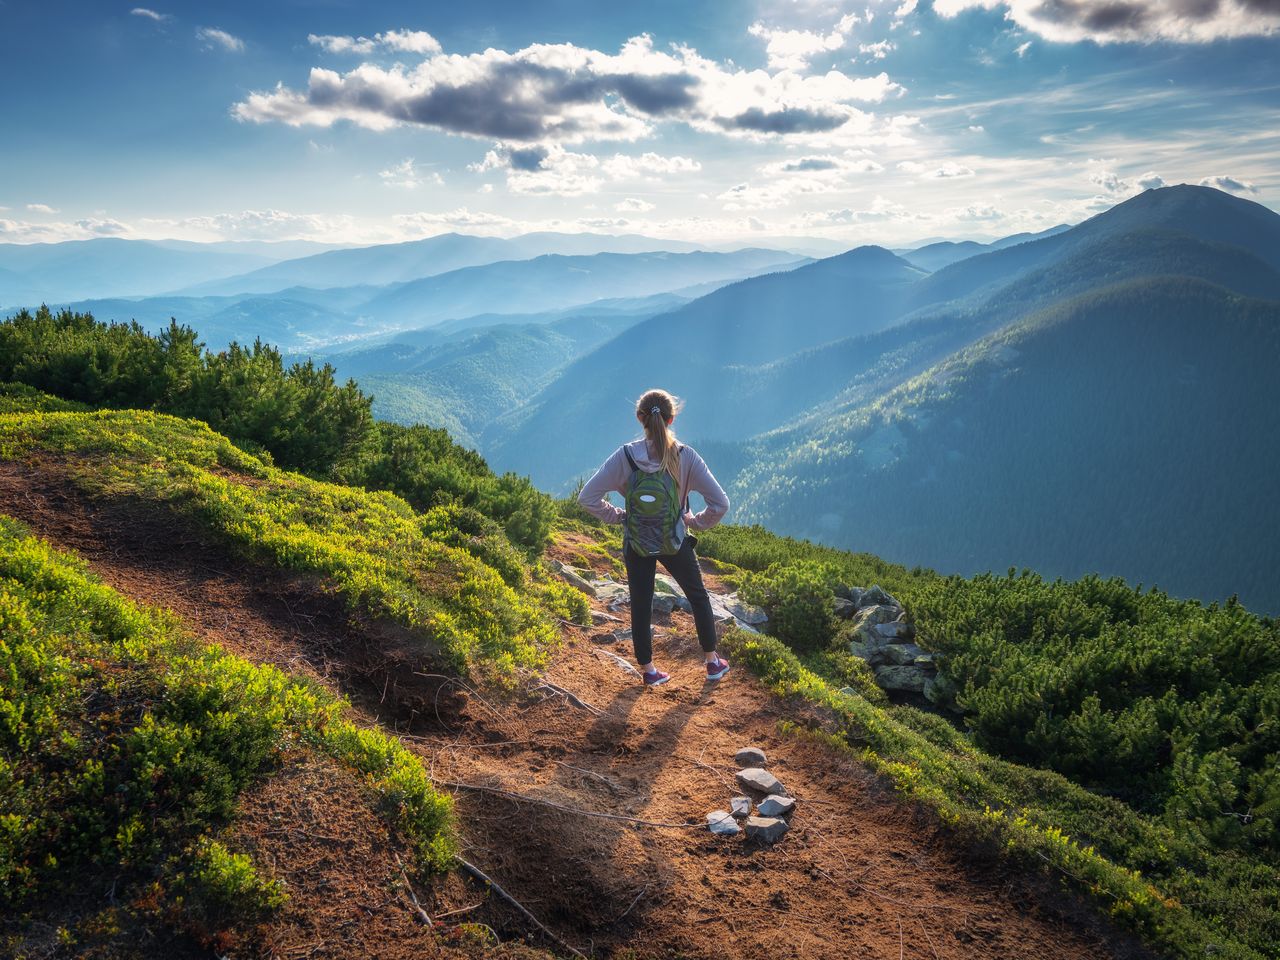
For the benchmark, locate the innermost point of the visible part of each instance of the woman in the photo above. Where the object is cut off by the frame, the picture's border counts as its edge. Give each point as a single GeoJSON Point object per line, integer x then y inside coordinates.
{"type": "Point", "coordinates": [647, 464]}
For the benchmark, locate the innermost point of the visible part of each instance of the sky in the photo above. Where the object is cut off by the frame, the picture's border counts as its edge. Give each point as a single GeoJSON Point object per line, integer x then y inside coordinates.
{"type": "Point", "coordinates": [723, 121]}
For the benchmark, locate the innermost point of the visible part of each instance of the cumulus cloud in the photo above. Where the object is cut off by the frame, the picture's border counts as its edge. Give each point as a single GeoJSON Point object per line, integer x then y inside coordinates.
{"type": "Point", "coordinates": [791, 49]}
{"type": "Point", "coordinates": [407, 175]}
{"type": "Point", "coordinates": [552, 169]}
{"type": "Point", "coordinates": [1113, 183]}
{"type": "Point", "coordinates": [633, 205]}
{"type": "Point", "coordinates": [402, 41]}
{"type": "Point", "coordinates": [1131, 21]}
{"type": "Point", "coordinates": [40, 208]}
{"type": "Point", "coordinates": [824, 165]}
{"type": "Point", "coordinates": [213, 37]}
{"type": "Point", "coordinates": [877, 51]}
{"type": "Point", "coordinates": [150, 14]}
{"type": "Point", "coordinates": [1230, 184]}
{"type": "Point", "coordinates": [950, 170]}
{"type": "Point", "coordinates": [563, 93]}
{"type": "Point", "coordinates": [269, 224]}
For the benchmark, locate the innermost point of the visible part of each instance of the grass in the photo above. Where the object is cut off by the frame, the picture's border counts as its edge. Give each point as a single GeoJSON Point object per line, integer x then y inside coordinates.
{"type": "Point", "coordinates": [449, 574]}
{"type": "Point", "coordinates": [125, 743]}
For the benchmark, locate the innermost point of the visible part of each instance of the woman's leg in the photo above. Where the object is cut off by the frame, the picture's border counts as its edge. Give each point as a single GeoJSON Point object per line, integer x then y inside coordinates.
{"type": "Point", "coordinates": [684, 569]}
{"type": "Point", "coordinates": [640, 571]}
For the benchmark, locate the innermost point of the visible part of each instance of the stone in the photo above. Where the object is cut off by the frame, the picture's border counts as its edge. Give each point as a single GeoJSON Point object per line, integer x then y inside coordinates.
{"type": "Point", "coordinates": [844, 609]}
{"type": "Point", "coordinates": [599, 617]}
{"type": "Point", "coordinates": [903, 653]}
{"type": "Point", "coordinates": [761, 781]}
{"type": "Point", "coordinates": [664, 584]}
{"type": "Point", "coordinates": [722, 824]}
{"type": "Point", "coordinates": [765, 829]}
{"type": "Point", "coordinates": [611, 592]}
{"type": "Point", "coordinates": [745, 612]}
{"type": "Point", "coordinates": [622, 635]}
{"type": "Point", "coordinates": [740, 807]}
{"type": "Point", "coordinates": [874, 596]}
{"type": "Point", "coordinates": [573, 577]}
{"type": "Point", "coordinates": [750, 757]}
{"type": "Point", "coordinates": [908, 679]}
{"type": "Point", "coordinates": [874, 616]}
{"type": "Point", "coordinates": [896, 630]}
{"type": "Point", "coordinates": [850, 692]}
{"type": "Point", "coordinates": [776, 805]}
{"type": "Point", "coordinates": [663, 603]}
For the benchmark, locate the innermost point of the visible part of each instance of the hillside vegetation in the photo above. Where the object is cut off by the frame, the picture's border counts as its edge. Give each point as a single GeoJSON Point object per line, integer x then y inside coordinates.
{"type": "Point", "coordinates": [124, 746]}
{"type": "Point", "coordinates": [1159, 715]}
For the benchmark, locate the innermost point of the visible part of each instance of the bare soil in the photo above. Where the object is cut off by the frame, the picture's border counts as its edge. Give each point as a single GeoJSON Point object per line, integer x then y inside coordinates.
{"type": "Point", "coordinates": [859, 875]}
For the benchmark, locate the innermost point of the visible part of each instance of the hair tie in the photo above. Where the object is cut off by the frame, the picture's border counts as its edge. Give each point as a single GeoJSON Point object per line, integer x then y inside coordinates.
{"type": "Point", "coordinates": [657, 410]}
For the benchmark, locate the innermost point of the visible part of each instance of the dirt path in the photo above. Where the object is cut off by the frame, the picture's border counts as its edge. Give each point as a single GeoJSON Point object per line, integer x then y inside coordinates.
{"type": "Point", "coordinates": [859, 875]}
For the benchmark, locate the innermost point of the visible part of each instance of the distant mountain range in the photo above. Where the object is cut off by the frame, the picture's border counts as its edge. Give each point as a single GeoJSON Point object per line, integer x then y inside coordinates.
{"type": "Point", "coordinates": [1099, 398]}
{"type": "Point", "coordinates": [35, 273]}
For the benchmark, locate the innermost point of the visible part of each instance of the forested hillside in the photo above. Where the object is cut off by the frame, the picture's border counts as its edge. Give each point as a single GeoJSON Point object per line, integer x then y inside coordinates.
{"type": "Point", "coordinates": [1144, 413]}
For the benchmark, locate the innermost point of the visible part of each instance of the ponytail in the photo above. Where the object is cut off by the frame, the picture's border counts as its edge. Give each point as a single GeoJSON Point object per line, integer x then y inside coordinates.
{"type": "Point", "coordinates": [657, 409]}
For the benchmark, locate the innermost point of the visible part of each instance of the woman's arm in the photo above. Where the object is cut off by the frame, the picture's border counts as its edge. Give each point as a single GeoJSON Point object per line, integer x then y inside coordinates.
{"type": "Point", "coordinates": [612, 475]}
{"type": "Point", "coordinates": [702, 480]}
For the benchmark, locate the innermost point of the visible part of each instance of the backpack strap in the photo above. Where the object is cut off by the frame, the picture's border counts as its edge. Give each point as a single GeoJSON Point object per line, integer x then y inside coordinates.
{"type": "Point", "coordinates": [630, 459]}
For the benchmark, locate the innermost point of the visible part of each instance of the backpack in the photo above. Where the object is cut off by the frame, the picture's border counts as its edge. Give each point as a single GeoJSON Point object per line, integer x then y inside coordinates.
{"type": "Point", "coordinates": [653, 512]}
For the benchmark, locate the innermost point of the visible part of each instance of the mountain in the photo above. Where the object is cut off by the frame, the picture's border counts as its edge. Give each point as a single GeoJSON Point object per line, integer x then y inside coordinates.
{"type": "Point", "coordinates": [465, 379]}
{"type": "Point", "coordinates": [1130, 430]}
{"type": "Point", "coordinates": [554, 281]}
{"type": "Point", "coordinates": [940, 253]}
{"type": "Point", "coordinates": [400, 262]}
{"type": "Point", "coordinates": [704, 351]}
{"type": "Point", "coordinates": [35, 273]}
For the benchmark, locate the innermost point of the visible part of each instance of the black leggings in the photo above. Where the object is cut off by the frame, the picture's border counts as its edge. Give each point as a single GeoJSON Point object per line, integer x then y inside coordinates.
{"type": "Point", "coordinates": [684, 569]}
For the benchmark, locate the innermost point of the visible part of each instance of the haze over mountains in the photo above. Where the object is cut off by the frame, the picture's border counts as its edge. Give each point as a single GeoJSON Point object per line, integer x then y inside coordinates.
{"type": "Point", "coordinates": [1099, 397]}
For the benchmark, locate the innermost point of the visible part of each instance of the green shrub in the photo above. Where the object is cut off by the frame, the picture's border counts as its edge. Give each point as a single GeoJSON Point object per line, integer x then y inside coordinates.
{"type": "Point", "coordinates": [798, 598]}
{"type": "Point", "coordinates": [227, 886]}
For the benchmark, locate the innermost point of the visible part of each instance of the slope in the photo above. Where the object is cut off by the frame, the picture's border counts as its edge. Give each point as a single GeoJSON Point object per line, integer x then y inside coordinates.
{"type": "Point", "coordinates": [560, 804]}
{"type": "Point", "coordinates": [1144, 413]}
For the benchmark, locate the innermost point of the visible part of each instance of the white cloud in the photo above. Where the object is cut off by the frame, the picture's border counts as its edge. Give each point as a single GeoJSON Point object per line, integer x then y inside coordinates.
{"type": "Point", "coordinates": [213, 37]}
{"type": "Point", "coordinates": [877, 51]}
{"type": "Point", "coordinates": [149, 14]}
{"type": "Point", "coordinates": [1131, 21]}
{"type": "Point", "coordinates": [950, 170]}
{"type": "Point", "coordinates": [633, 205]}
{"type": "Point", "coordinates": [977, 128]}
{"type": "Point", "coordinates": [554, 170]}
{"type": "Point", "coordinates": [1021, 49]}
{"type": "Point", "coordinates": [403, 41]}
{"type": "Point", "coordinates": [406, 174]}
{"type": "Point", "coordinates": [41, 208]}
{"type": "Point", "coordinates": [791, 49]}
{"type": "Point", "coordinates": [562, 93]}
{"type": "Point", "coordinates": [1150, 181]}
{"type": "Point", "coordinates": [1230, 184]}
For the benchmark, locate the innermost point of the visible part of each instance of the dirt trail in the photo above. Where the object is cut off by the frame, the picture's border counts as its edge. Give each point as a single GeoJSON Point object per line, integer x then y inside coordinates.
{"type": "Point", "coordinates": [859, 875]}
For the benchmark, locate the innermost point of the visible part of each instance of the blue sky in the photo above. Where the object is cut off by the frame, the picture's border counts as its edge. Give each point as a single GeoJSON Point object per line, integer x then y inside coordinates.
{"type": "Point", "coordinates": [861, 122]}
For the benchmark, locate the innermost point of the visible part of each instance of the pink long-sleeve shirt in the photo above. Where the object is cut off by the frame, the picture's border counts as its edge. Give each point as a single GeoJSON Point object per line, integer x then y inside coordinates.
{"type": "Point", "coordinates": [615, 474]}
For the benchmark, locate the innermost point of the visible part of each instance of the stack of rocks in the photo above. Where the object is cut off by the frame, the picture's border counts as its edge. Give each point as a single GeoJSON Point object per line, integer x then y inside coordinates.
{"type": "Point", "coordinates": [773, 808]}
{"type": "Point", "coordinates": [882, 635]}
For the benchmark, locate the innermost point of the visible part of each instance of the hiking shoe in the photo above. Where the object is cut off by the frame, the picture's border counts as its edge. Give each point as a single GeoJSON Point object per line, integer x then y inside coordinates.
{"type": "Point", "coordinates": [655, 677]}
{"type": "Point", "coordinates": [717, 668]}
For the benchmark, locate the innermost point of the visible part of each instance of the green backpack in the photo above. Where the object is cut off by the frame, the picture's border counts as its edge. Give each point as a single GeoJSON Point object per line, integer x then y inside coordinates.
{"type": "Point", "coordinates": [653, 512]}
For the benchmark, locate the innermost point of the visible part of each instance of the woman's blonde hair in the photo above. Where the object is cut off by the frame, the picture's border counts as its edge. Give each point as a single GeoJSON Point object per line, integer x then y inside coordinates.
{"type": "Point", "coordinates": [656, 409]}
